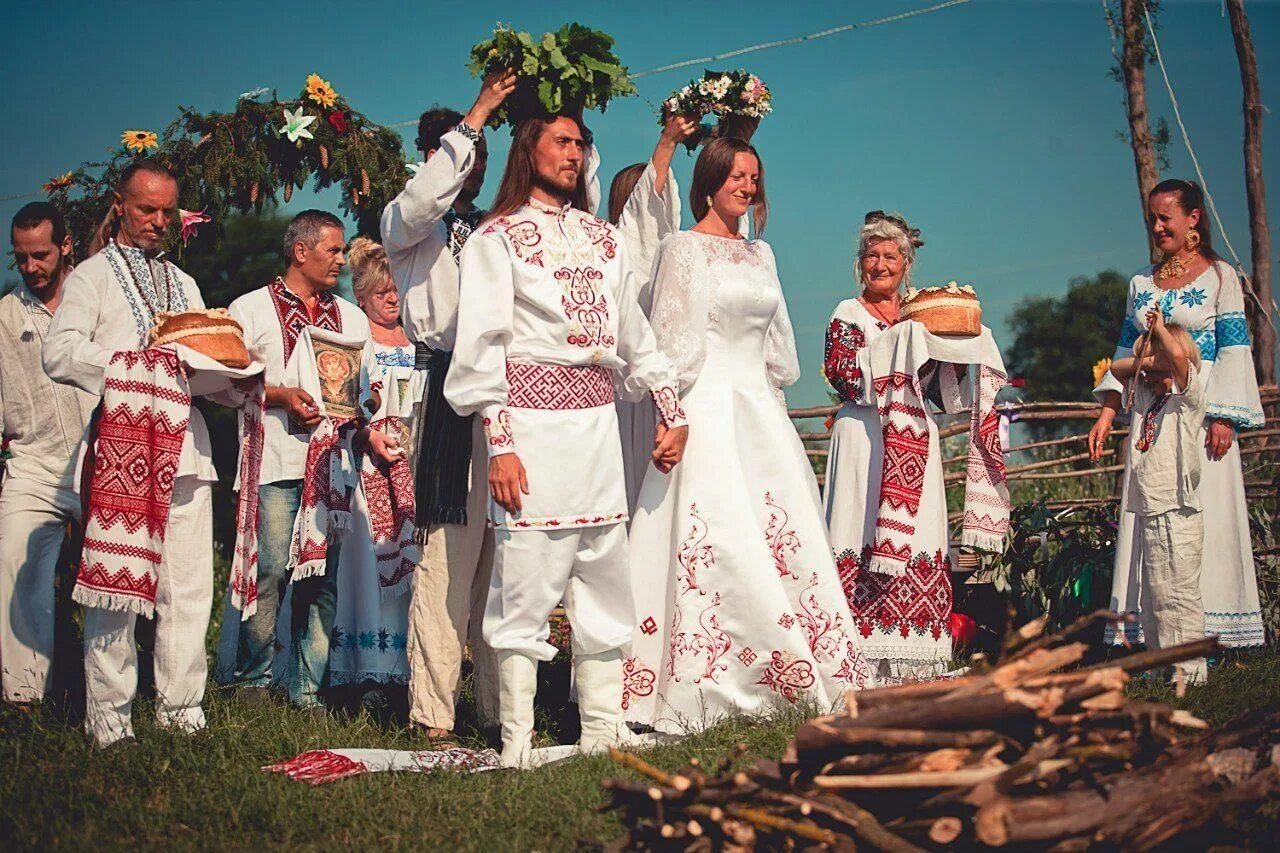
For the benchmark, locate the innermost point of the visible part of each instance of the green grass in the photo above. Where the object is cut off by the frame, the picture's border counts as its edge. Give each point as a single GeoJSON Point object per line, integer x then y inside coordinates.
{"type": "Point", "coordinates": [206, 791]}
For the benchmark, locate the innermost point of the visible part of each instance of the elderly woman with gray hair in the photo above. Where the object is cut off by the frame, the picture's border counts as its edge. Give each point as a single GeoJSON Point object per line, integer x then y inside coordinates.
{"type": "Point", "coordinates": [904, 618]}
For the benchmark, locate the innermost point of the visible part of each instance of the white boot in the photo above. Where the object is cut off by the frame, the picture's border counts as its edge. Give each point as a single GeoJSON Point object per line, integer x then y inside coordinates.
{"type": "Point", "coordinates": [517, 683]}
{"type": "Point", "coordinates": [599, 681]}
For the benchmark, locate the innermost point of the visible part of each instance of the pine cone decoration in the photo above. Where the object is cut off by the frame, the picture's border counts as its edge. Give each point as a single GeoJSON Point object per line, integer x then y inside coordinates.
{"type": "Point", "coordinates": [288, 192]}
{"type": "Point", "coordinates": [324, 157]}
{"type": "Point", "coordinates": [355, 196]}
{"type": "Point", "coordinates": [364, 182]}
{"type": "Point", "coordinates": [253, 193]}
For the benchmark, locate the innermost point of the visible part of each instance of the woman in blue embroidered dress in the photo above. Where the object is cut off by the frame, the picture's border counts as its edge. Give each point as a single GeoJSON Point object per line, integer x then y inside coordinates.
{"type": "Point", "coordinates": [378, 556]}
{"type": "Point", "coordinates": [1197, 290]}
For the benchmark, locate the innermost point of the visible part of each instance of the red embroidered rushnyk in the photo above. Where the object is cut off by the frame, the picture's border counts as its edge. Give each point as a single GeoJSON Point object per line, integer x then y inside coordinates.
{"type": "Point", "coordinates": [244, 562]}
{"type": "Point", "coordinates": [388, 492]}
{"type": "Point", "coordinates": [325, 508]}
{"type": "Point", "coordinates": [146, 406]}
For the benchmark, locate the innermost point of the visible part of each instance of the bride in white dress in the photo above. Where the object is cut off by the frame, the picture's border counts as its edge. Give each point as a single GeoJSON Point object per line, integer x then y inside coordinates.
{"type": "Point", "coordinates": [738, 603]}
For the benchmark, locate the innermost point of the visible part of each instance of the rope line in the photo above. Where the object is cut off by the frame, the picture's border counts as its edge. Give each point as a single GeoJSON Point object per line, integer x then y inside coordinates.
{"type": "Point", "coordinates": [1186, 138]}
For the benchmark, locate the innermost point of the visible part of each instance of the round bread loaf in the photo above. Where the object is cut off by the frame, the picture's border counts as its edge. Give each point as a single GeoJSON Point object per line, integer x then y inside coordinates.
{"type": "Point", "coordinates": [951, 310]}
{"type": "Point", "coordinates": [210, 332]}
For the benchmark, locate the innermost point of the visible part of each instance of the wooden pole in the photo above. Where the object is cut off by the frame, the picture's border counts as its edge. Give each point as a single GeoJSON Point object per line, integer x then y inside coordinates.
{"type": "Point", "coordinates": [1259, 284]}
{"type": "Point", "coordinates": [1133, 67]}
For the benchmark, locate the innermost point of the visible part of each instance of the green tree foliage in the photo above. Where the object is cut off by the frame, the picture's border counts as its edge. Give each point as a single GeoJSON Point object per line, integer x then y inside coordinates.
{"type": "Point", "coordinates": [1058, 339]}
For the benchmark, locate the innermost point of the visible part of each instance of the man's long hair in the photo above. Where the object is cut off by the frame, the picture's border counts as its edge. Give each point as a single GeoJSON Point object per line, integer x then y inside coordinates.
{"type": "Point", "coordinates": [521, 175]}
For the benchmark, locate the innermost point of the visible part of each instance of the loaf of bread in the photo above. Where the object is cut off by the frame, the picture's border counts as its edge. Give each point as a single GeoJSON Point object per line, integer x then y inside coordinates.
{"type": "Point", "coordinates": [210, 332]}
{"type": "Point", "coordinates": [950, 310]}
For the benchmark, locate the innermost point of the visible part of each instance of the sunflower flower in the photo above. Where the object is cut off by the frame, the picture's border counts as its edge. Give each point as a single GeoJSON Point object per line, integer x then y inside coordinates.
{"type": "Point", "coordinates": [1100, 369]}
{"type": "Point", "coordinates": [138, 141]}
{"type": "Point", "coordinates": [61, 182]}
{"type": "Point", "coordinates": [319, 91]}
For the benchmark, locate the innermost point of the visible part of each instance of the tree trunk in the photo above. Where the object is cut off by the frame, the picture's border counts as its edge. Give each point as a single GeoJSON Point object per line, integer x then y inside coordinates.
{"type": "Point", "coordinates": [1133, 64]}
{"type": "Point", "coordinates": [1259, 284]}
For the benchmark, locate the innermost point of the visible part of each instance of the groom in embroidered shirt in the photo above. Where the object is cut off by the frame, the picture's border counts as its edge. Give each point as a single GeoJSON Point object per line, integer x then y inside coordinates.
{"type": "Point", "coordinates": [273, 317]}
{"type": "Point", "coordinates": [548, 314]}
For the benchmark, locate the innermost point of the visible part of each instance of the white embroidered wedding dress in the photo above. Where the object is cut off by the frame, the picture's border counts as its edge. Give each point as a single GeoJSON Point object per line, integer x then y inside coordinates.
{"type": "Point", "coordinates": [739, 608]}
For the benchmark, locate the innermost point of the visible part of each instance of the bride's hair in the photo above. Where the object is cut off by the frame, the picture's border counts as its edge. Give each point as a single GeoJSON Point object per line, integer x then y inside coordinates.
{"type": "Point", "coordinates": [712, 170]}
{"type": "Point", "coordinates": [624, 183]}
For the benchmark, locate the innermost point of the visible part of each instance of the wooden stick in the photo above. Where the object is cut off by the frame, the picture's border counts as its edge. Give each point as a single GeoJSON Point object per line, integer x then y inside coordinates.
{"type": "Point", "coordinates": [862, 822]}
{"type": "Point", "coordinates": [1081, 624]}
{"type": "Point", "coordinates": [955, 778]}
{"type": "Point", "coordinates": [764, 820]}
{"type": "Point", "coordinates": [1162, 657]}
{"type": "Point", "coordinates": [644, 768]}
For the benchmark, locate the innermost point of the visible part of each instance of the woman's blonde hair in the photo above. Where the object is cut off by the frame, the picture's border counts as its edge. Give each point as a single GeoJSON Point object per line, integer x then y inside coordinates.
{"type": "Point", "coordinates": [369, 267]}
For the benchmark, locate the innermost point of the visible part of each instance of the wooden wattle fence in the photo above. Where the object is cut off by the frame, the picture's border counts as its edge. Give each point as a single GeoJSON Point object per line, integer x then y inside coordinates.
{"type": "Point", "coordinates": [1065, 458]}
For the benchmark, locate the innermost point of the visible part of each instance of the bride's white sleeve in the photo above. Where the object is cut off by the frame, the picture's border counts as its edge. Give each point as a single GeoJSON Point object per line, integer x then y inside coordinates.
{"type": "Point", "coordinates": [681, 307]}
{"type": "Point", "coordinates": [780, 356]}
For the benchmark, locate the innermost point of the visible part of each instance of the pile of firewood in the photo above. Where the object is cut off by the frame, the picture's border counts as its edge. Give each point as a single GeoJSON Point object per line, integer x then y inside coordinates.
{"type": "Point", "coordinates": [1025, 753]}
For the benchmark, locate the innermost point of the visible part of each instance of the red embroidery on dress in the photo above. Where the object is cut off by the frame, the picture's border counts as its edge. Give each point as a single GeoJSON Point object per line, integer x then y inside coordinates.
{"type": "Point", "coordinates": [780, 538]}
{"type": "Point", "coordinates": [747, 656]}
{"type": "Point", "coordinates": [840, 359]}
{"type": "Point", "coordinates": [294, 317]}
{"type": "Point", "coordinates": [853, 669]}
{"type": "Point", "coordinates": [822, 630]}
{"type": "Point", "coordinates": [668, 403]}
{"type": "Point", "coordinates": [554, 387]}
{"type": "Point", "coordinates": [649, 626]}
{"type": "Point", "coordinates": [637, 681]}
{"type": "Point", "coordinates": [710, 640]}
{"type": "Point", "coordinates": [788, 676]}
{"type": "Point", "coordinates": [786, 620]}
{"type": "Point", "coordinates": [918, 602]}
{"type": "Point", "coordinates": [499, 434]}
{"type": "Point", "coordinates": [585, 306]}
{"type": "Point", "coordinates": [693, 555]}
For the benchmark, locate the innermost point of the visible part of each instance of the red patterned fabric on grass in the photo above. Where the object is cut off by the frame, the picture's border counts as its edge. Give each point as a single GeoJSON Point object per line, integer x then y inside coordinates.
{"type": "Point", "coordinates": [146, 406]}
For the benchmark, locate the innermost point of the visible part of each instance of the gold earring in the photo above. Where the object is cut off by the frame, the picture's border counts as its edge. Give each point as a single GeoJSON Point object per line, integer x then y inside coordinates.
{"type": "Point", "coordinates": [1192, 240]}
{"type": "Point", "coordinates": [710, 202]}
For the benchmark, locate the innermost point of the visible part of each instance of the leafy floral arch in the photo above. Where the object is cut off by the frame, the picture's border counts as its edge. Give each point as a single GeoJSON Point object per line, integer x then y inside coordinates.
{"type": "Point", "coordinates": [247, 159]}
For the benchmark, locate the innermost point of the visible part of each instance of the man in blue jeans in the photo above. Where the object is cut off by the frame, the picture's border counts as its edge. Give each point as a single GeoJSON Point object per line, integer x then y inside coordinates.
{"type": "Point", "coordinates": [273, 317]}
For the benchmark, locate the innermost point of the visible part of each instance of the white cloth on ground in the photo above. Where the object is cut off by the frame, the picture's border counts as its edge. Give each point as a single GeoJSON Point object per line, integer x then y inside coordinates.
{"type": "Point", "coordinates": [1211, 308]}
{"type": "Point", "coordinates": [102, 313]}
{"type": "Point", "coordinates": [184, 598]}
{"type": "Point", "coordinates": [33, 528]}
{"type": "Point", "coordinates": [738, 604]}
{"type": "Point", "coordinates": [535, 570]}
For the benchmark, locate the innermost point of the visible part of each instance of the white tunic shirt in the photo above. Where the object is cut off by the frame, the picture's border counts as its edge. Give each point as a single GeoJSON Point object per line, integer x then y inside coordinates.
{"type": "Point", "coordinates": [42, 420]}
{"type": "Point", "coordinates": [109, 304]}
{"type": "Point", "coordinates": [548, 288]}
{"type": "Point", "coordinates": [416, 238]}
{"type": "Point", "coordinates": [1166, 475]}
{"type": "Point", "coordinates": [272, 316]}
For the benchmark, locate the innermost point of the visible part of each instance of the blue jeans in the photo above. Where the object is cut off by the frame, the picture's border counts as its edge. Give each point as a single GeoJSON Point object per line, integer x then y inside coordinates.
{"type": "Point", "coordinates": [312, 609]}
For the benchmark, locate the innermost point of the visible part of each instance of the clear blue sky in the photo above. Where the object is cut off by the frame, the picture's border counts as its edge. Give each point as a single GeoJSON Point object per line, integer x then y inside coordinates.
{"type": "Point", "coordinates": [992, 126]}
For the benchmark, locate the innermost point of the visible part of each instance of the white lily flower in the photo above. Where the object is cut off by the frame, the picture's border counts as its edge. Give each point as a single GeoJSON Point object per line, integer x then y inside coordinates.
{"type": "Point", "coordinates": [296, 124]}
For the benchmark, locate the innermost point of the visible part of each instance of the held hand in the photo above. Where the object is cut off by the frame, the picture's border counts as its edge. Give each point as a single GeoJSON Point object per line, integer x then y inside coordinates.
{"type": "Point", "coordinates": [1155, 321]}
{"type": "Point", "coordinates": [384, 448]}
{"type": "Point", "coordinates": [301, 407]}
{"type": "Point", "coordinates": [1219, 438]}
{"type": "Point", "coordinates": [507, 481]}
{"type": "Point", "coordinates": [497, 85]}
{"type": "Point", "coordinates": [678, 128]}
{"type": "Point", "coordinates": [1099, 433]}
{"type": "Point", "coordinates": [669, 447]}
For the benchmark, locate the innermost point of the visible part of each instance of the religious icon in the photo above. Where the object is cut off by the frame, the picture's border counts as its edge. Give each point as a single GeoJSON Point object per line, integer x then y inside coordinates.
{"type": "Point", "coordinates": [338, 368]}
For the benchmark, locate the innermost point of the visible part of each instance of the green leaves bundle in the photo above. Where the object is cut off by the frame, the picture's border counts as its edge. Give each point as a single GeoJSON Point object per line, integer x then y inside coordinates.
{"type": "Point", "coordinates": [561, 73]}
